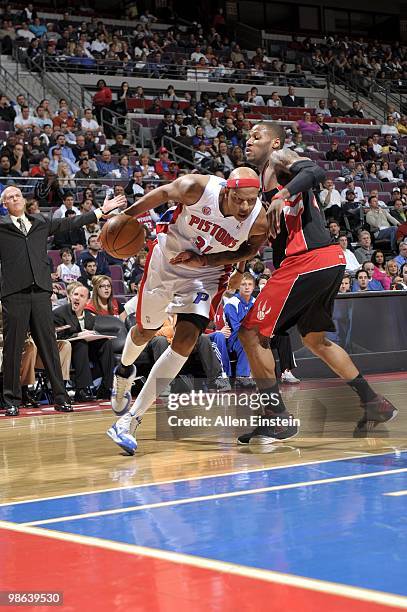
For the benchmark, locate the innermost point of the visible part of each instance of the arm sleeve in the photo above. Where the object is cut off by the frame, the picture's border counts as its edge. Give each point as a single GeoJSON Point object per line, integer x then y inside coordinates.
{"type": "Point", "coordinates": [307, 175]}
{"type": "Point", "coordinates": [69, 223]}
{"type": "Point", "coordinates": [232, 317]}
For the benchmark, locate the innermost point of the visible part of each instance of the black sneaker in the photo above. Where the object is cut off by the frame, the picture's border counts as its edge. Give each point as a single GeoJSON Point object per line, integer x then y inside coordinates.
{"type": "Point", "coordinates": [380, 410]}
{"type": "Point", "coordinates": [267, 434]}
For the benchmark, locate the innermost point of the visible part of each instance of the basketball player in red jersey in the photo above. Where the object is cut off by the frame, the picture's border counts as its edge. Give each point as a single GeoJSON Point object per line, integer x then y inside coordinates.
{"type": "Point", "coordinates": [303, 288]}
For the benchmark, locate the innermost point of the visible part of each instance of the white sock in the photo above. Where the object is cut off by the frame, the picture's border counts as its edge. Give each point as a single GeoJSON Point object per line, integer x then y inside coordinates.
{"type": "Point", "coordinates": [165, 368]}
{"type": "Point", "coordinates": [131, 351]}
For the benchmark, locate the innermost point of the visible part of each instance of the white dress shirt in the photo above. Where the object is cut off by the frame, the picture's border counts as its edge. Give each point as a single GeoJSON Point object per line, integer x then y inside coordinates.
{"type": "Point", "coordinates": [25, 219]}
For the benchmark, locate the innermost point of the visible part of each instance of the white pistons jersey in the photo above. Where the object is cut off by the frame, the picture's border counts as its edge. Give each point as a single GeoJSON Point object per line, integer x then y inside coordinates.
{"type": "Point", "coordinates": [202, 227]}
{"type": "Point", "coordinates": [179, 289]}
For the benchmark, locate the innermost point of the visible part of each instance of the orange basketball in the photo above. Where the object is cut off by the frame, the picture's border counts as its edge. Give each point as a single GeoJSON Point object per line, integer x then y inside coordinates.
{"type": "Point", "coordinates": [122, 236]}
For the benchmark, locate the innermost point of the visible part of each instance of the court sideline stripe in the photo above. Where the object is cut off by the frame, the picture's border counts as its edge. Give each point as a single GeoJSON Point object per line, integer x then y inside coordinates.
{"type": "Point", "coordinates": [312, 584]}
{"type": "Point", "coordinates": [203, 477]}
{"type": "Point", "coordinates": [202, 498]}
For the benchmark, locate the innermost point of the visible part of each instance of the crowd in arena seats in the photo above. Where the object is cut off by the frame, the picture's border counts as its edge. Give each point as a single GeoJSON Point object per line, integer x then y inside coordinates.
{"type": "Point", "coordinates": [66, 159]}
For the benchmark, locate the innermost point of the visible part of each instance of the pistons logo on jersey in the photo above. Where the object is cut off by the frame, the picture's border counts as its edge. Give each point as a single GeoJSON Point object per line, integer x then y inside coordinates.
{"type": "Point", "coordinates": [206, 210]}
{"type": "Point", "coordinates": [262, 312]}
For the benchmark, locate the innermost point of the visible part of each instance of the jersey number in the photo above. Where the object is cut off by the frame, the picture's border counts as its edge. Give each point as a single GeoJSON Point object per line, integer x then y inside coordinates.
{"type": "Point", "coordinates": [200, 243]}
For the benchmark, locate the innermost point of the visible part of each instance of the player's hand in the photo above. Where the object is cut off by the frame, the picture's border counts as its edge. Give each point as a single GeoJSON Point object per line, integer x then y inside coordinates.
{"type": "Point", "coordinates": [274, 216]}
{"type": "Point", "coordinates": [234, 281]}
{"type": "Point", "coordinates": [189, 258]}
{"type": "Point", "coordinates": [119, 201]}
{"type": "Point", "coordinates": [226, 331]}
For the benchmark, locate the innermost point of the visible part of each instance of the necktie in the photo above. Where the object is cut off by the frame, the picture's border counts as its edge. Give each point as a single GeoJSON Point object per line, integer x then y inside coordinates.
{"type": "Point", "coordinates": [22, 226]}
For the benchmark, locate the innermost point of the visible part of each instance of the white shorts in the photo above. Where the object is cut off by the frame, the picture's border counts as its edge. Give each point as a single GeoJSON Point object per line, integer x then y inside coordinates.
{"type": "Point", "coordinates": [171, 289]}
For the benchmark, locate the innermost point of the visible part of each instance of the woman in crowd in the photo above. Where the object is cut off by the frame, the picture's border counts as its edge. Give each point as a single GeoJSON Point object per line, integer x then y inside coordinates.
{"type": "Point", "coordinates": [392, 270]}
{"type": "Point", "coordinates": [68, 271]}
{"type": "Point", "coordinates": [306, 126]}
{"type": "Point", "coordinates": [102, 100]}
{"type": "Point", "coordinates": [379, 273]}
{"type": "Point", "coordinates": [65, 177]}
{"type": "Point", "coordinates": [401, 285]}
{"type": "Point", "coordinates": [169, 94]}
{"type": "Point", "coordinates": [231, 96]}
{"type": "Point", "coordinates": [385, 174]}
{"type": "Point", "coordinates": [122, 96]}
{"type": "Point", "coordinates": [372, 171]}
{"type": "Point", "coordinates": [103, 302]}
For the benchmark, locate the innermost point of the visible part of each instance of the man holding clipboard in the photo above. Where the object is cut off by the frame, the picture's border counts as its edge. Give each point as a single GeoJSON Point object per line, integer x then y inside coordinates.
{"type": "Point", "coordinates": [87, 345]}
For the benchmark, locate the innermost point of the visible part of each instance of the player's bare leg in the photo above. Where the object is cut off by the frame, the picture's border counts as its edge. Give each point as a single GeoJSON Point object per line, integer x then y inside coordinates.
{"type": "Point", "coordinates": [165, 368]}
{"type": "Point", "coordinates": [377, 409]}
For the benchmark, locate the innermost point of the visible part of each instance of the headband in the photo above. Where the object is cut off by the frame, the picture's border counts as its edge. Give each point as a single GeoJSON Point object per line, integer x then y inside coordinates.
{"type": "Point", "coordinates": [240, 183]}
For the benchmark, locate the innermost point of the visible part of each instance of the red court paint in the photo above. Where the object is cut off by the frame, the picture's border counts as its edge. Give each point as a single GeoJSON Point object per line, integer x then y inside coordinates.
{"type": "Point", "coordinates": [94, 578]}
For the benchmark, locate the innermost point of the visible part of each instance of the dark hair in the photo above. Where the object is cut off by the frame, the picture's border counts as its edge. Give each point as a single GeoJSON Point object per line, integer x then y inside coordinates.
{"type": "Point", "coordinates": [87, 260]}
{"type": "Point", "coordinates": [374, 255]}
{"type": "Point", "coordinates": [402, 269]}
{"type": "Point", "coordinates": [69, 213]}
{"type": "Point", "coordinates": [68, 194]}
{"type": "Point", "coordinates": [67, 250]}
{"type": "Point", "coordinates": [274, 129]}
{"type": "Point", "coordinates": [359, 272]}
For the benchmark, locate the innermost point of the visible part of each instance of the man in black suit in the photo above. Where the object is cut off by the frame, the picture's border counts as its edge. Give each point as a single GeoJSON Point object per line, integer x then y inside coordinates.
{"type": "Point", "coordinates": [100, 352]}
{"type": "Point", "coordinates": [291, 99]}
{"type": "Point", "coordinates": [26, 290]}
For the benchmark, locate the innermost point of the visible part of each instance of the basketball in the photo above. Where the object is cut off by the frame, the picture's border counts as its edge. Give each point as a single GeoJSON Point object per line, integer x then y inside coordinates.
{"type": "Point", "coordinates": [122, 236]}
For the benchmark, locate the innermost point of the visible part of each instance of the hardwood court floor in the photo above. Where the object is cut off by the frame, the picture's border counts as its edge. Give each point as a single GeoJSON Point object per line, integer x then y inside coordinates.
{"type": "Point", "coordinates": [199, 523]}
{"type": "Point", "coordinates": [60, 454]}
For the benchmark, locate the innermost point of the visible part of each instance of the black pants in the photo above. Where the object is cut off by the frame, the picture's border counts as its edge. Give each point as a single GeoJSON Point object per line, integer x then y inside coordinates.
{"type": "Point", "coordinates": [203, 350]}
{"type": "Point", "coordinates": [281, 344]}
{"type": "Point", "coordinates": [100, 353]}
{"type": "Point", "coordinates": [29, 309]}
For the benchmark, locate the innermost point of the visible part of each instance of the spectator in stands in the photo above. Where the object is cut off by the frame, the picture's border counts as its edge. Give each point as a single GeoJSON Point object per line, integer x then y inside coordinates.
{"type": "Point", "coordinates": [361, 282]}
{"type": "Point", "coordinates": [119, 148]}
{"type": "Point", "coordinates": [235, 310]}
{"type": "Point", "coordinates": [291, 100]}
{"type": "Point", "coordinates": [25, 121]}
{"type": "Point", "coordinates": [400, 171]}
{"type": "Point", "coordinates": [330, 199]}
{"type": "Point", "coordinates": [402, 125]}
{"type": "Point", "coordinates": [66, 152]}
{"type": "Point", "coordinates": [89, 271]}
{"type": "Point", "coordinates": [224, 159]}
{"type": "Point", "coordinates": [88, 122]}
{"type": "Point", "coordinates": [41, 120]}
{"type": "Point", "coordinates": [307, 126]}
{"type": "Point", "coordinates": [85, 172]}
{"type": "Point", "coordinates": [274, 101]}
{"type": "Point", "coordinates": [103, 302]}
{"type": "Point", "coordinates": [67, 271]}
{"type": "Point", "coordinates": [8, 176]}
{"type": "Point", "coordinates": [7, 112]}
{"type": "Point", "coordinates": [382, 224]}
{"type": "Point", "coordinates": [379, 273]}
{"type": "Point", "coordinates": [392, 271]}
{"type": "Point", "coordinates": [67, 205]}
{"type": "Point", "coordinates": [385, 174]}
{"type": "Point", "coordinates": [365, 251]}
{"type": "Point", "coordinates": [334, 108]}
{"type": "Point", "coordinates": [371, 169]}
{"type": "Point", "coordinates": [105, 166]}
{"type": "Point", "coordinates": [399, 212]}
{"type": "Point", "coordinates": [401, 258]}
{"type": "Point", "coordinates": [102, 100]}
{"type": "Point", "coordinates": [322, 109]}
{"type": "Point", "coordinates": [334, 230]}
{"type": "Point", "coordinates": [389, 145]}
{"type": "Point", "coordinates": [402, 285]}
{"type": "Point", "coordinates": [356, 110]}
{"type": "Point", "coordinates": [231, 97]}
{"type": "Point", "coordinates": [38, 28]}
{"type": "Point", "coordinates": [73, 239]}
{"type": "Point", "coordinates": [350, 186]}
{"type": "Point", "coordinates": [334, 154]}
{"type": "Point", "coordinates": [374, 283]}
{"type": "Point", "coordinates": [123, 171]}
{"type": "Point", "coordinates": [134, 186]}
{"type": "Point", "coordinates": [94, 251]}
{"type": "Point", "coordinates": [352, 264]}
{"type": "Point", "coordinates": [389, 127]}
{"type": "Point", "coordinates": [98, 352]}
{"type": "Point", "coordinates": [165, 128]}
{"type": "Point", "coordinates": [65, 177]}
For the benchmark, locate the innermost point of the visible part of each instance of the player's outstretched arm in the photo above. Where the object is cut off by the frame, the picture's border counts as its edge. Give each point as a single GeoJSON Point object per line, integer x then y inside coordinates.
{"type": "Point", "coordinates": [185, 190]}
{"type": "Point", "coordinates": [305, 173]}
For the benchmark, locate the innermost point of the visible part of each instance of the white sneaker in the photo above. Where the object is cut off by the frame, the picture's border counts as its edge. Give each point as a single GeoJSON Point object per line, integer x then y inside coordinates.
{"type": "Point", "coordinates": [289, 378]}
{"type": "Point", "coordinates": [123, 433]}
{"type": "Point", "coordinates": [121, 392]}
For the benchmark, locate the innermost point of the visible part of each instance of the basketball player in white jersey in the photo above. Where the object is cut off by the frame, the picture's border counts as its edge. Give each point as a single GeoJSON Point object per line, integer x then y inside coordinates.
{"type": "Point", "coordinates": [213, 217]}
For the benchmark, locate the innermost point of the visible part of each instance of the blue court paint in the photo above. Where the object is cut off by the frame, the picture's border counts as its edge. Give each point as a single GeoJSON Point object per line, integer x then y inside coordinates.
{"type": "Point", "coordinates": [346, 532]}
{"type": "Point", "coordinates": [123, 498]}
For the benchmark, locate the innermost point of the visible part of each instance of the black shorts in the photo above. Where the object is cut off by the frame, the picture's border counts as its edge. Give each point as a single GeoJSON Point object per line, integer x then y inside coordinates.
{"type": "Point", "coordinates": [302, 292]}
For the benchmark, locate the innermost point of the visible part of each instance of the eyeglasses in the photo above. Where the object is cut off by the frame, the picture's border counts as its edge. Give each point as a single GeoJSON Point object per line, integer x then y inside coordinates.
{"type": "Point", "coordinates": [105, 286]}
